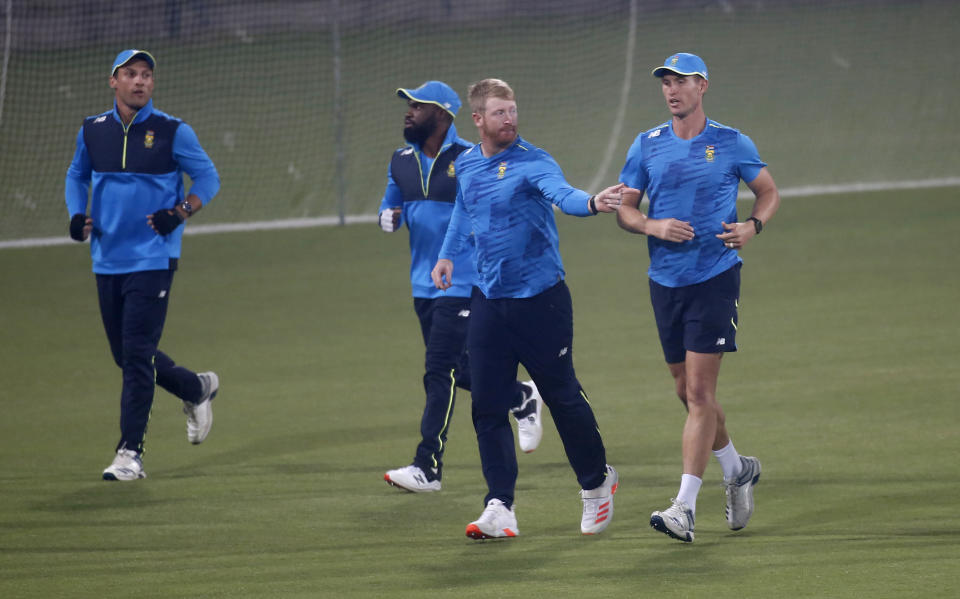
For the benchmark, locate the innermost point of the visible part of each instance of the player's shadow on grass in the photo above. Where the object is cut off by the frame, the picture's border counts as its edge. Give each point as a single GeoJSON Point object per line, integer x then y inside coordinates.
{"type": "Point", "coordinates": [117, 497]}
{"type": "Point", "coordinates": [306, 453]}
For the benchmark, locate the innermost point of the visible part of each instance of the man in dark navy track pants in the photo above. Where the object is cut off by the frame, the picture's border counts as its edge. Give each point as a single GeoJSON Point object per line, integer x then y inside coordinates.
{"type": "Point", "coordinates": [521, 310]}
{"type": "Point", "coordinates": [128, 167]}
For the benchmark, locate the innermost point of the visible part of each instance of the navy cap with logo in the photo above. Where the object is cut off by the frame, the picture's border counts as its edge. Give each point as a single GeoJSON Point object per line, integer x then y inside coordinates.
{"type": "Point", "coordinates": [682, 63]}
{"type": "Point", "coordinates": [128, 55]}
{"type": "Point", "coordinates": [434, 92]}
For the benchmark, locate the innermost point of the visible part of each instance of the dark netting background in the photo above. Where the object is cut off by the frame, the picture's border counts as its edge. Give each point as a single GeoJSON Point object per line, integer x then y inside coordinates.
{"type": "Point", "coordinates": [295, 102]}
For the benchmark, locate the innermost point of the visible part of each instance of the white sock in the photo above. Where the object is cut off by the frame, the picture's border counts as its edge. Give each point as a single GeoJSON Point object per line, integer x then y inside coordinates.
{"type": "Point", "coordinates": [689, 488]}
{"type": "Point", "coordinates": [729, 461]}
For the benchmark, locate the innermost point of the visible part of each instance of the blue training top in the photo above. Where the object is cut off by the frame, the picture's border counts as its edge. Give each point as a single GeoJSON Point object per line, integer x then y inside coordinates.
{"type": "Point", "coordinates": [426, 190]}
{"type": "Point", "coordinates": [506, 201]}
{"type": "Point", "coordinates": [135, 171]}
{"type": "Point", "coordinates": [696, 181]}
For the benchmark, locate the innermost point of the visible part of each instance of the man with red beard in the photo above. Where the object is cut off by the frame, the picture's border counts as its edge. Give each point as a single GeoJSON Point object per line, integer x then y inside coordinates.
{"type": "Point", "coordinates": [522, 312]}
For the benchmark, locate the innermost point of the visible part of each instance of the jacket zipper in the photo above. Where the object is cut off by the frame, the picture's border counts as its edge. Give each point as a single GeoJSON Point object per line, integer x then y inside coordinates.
{"type": "Point", "coordinates": [424, 185]}
{"type": "Point", "coordinates": [126, 129]}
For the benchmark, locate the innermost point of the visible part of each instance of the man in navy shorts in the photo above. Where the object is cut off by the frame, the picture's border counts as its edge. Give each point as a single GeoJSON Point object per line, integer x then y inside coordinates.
{"type": "Point", "coordinates": [691, 167]}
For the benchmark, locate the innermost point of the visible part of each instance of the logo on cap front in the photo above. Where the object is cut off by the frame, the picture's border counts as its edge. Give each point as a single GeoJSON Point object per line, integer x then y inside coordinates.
{"type": "Point", "coordinates": [673, 60]}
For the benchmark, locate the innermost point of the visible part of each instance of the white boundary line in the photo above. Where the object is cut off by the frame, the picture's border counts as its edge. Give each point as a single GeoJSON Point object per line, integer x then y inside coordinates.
{"type": "Point", "coordinates": [266, 225]}
{"type": "Point", "coordinates": [822, 190]}
{"type": "Point", "coordinates": [328, 221]}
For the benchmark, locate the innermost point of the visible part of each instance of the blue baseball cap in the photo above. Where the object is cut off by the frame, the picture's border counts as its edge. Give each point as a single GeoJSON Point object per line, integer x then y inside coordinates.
{"type": "Point", "coordinates": [683, 63]}
{"type": "Point", "coordinates": [434, 92]}
{"type": "Point", "coordinates": [128, 55]}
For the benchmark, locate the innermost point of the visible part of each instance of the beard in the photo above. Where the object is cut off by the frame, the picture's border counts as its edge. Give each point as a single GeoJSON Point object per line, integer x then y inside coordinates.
{"type": "Point", "coordinates": [417, 134]}
{"type": "Point", "coordinates": [502, 137]}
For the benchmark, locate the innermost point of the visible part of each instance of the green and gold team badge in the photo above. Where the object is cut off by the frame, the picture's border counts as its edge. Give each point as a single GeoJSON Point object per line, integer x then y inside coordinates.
{"type": "Point", "coordinates": [673, 60]}
{"type": "Point", "coordinates": [501, 170]}
{"type": "Point", "coordinates": [710, 154]}
{"type": "Point", "coordinates": [450, 171]}
{"type": "Point", "coordinates": [148, 140]}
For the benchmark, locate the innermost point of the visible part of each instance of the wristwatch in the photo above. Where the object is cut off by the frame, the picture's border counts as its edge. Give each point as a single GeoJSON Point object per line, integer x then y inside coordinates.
{"type": "Point", "coordinates": [187, 207]}
{"type": "Point", "coordinates": [757, 224]}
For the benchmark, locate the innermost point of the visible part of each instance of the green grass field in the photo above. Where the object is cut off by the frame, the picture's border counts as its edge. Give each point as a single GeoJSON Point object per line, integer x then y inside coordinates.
{"type": "Point", "coordinates": [846, 387]}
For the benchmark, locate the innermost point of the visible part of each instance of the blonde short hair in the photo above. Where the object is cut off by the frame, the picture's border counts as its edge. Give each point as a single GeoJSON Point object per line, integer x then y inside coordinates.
{"type": "Point", "coordinates": [478, 93]}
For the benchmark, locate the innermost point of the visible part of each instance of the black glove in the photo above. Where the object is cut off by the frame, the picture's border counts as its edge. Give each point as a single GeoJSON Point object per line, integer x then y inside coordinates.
{"type": "Point", "coordinates": [77, 223]}
{"type": "Point", "coordinates": [165, 221]}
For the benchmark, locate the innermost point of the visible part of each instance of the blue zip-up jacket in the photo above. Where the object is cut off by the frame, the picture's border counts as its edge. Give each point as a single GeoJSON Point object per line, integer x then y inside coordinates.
{"type": "Point", "coordinates": [506, 201]}
{"type": "Point", "coordinates": [134, 171]}
{"type": "Point", "coordinates": [426, 190]}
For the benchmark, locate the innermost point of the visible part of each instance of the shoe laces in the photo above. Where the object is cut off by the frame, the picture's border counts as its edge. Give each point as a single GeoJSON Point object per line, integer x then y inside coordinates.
{"type": "Point", "coordinates": [731, 488]}
{"type": "Point", "coordinates": [738, 482]}
{"type": "Point", "coordinates": [190, 409]}
{"type": "Point", "coordinates": [126, 459]}
{"type": "Point", "coordinates": [746, 474]}
{"type": "Point", "coordinates": [492, 510]}
{"type": "Point", "coordinates": [680, 511]}
{"type": "Point", "coordinates": [602, 492]}
{"type": "Point", "coordinates": [591, 505]}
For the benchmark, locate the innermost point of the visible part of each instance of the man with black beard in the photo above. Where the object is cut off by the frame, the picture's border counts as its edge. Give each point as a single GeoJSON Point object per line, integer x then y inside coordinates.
{"type": "Point", "coordinates": [421, 190]}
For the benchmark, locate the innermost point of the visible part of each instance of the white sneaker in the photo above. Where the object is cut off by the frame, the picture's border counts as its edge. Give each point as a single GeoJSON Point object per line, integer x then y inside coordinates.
{"type": "Point", "coordinates": [529, 423]}
{"type": "Point", "coordinates": [598, 504]}
{"type": "Point", "coordinates": [496, 521]}
{"type": "Point", "coordinates": [740, 493]}
{"type": "Point", "coordinates": [411, 478]}
{"type": "Point", "coordinates": [675, 521]}
{"type": "Point", "coordinates": [200, 414]}
{"type": "Point", "coordinates": [126, 466]}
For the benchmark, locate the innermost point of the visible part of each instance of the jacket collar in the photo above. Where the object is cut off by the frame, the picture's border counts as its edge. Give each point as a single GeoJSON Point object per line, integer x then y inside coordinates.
{"type": "Point", "coordinates": [448, 140]}
{"type": "Point", "coordinates": [141, 115]}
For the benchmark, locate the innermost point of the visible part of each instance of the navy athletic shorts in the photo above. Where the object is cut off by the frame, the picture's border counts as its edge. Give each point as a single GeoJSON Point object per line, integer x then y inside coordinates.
{"type": "Point", "coordinates": [700, 318]}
